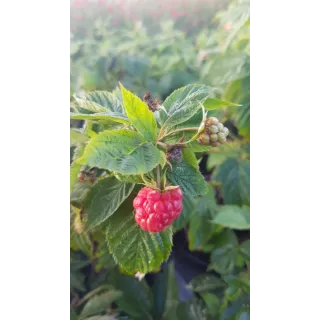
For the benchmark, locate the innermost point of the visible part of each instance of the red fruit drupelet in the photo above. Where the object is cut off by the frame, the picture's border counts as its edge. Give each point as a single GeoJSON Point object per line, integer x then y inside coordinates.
{"type": "Point", "coordinates": [155, 210]}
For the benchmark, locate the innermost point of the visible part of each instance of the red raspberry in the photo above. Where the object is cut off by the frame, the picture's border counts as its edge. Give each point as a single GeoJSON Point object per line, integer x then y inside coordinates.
{"type": "Point", "coordinates": [153, 195]}
{"type": "Point", "coordinates": [176, 194]}
{"type": "Point", "coordinates": [155, 210]}
{"type": "Point", "coordinates": [138, 202]}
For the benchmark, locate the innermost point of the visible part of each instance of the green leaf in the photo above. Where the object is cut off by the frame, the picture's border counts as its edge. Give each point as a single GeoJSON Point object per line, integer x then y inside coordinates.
{"type": "Point", "coordinates": [192, 310]}
{"type": "Point", "coordinates": [223, 260]}
{"type": "Point", "coordinates": [165, 293]}
{"type": "Point", "coordinates": [245, 249]}
{"type": "Point", "coordinates": [172, 293]}
{"type": "Point", "coordinates": [113, 116]}
{"type": "Point", "coordinates": [175, 137]}
{"type": "Point", "coordinates": [233, 91]}
{"type": "Point", "coordinates": [234, 175]}
{"type": "Point", "coordinates": [99, 303]}
{"type": "Point", "coordinates": [210, 244]}
{"type": "Point", "coordinates": [136, 297]}
{"type": "Point", "coordinates": [130, 178]}
{"type": "Point", "coordinates": [77, 137]}
{"type": "Point", "coordinates": [195, 146]}
{"type": "Point", "coordinates": [233, 217]}
{"type": "Point", "coordinates": [212, 303]}
{"type": "Point", "coordinates": [73, 316]}
{"type": "Point", "coordinates": [74, 171]}
{"type": "Point", "coordinates": [235, 307]}
{"type": "Point", "coordinates": [139, 115]}
{"type": "Point", "coordinates": [188, 205]}
{"type": "Point", "coordinates": [75, 167]}
{"type": "Point", "coordinates": [123, 151]}
{"type": "Point", "coordinates": [79, 242]}
{"type": "Point", "coordinates": [104, 199]}
{"type": "Point", "coordinates": [90, 105]}
{"type": "Point", "coordinates": [192, 122]}
{"type": "Point", "coordinates": [224, 255]}
{"type": "Point", "coordinates": [189, 157]}
{"type": "Point", "coordinates": [213, 103]}
{"type": "Point", "coordinates": [76, 264]}
{"type": "Point", "coordinates": [105, 317]}
{"type": "Point", "coordinates": [132, 248]}
{"type": "Point", "coordinates": [204, 283]}
{"type": "Point", "coordinates": [188, 178]}
{"type": "Point", "coordinates": [183, 103]}
{"type": "Point", "coordinates": [242, 119]}
{"type": "Point", "coordinates": [238, 16]}
{"type": "Point", "coordinates": [232, 149]}
{"type": "Point", "coordinates": [227, 68]}
{"type": "Point", "coordinates": [107, 100]}
{"type": "Point", "coordinates": [163, 159]}
{"type": "Point", "coordinates": [77, 281]}
{"type": "Point", "coordinates": [103, 257]}
{"type": "Point", "coordinates": [244, 315]}
{"type": "Point", "coordinates": [77, 278]}
{"type": "Point", "coordinates": [79, 193]}
{"type": "Point", "coordinates": [201, 228]}
{"type": "Point", "coordinates": [244, 254]}
{"type": "Point", "coordinates": [159, 290]}
{"type": "Point", "coordinates": [239, 281]}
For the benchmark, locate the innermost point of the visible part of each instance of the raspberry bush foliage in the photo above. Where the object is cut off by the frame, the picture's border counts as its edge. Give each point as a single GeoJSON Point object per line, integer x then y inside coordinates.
{"type": "Point", "coordinates": [125, 140]}
{"type": "Point", "coordinates": [124, 183]}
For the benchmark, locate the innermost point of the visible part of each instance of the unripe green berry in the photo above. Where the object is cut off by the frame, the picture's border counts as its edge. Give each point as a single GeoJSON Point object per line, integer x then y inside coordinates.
{"type": "Point", "coordinates": [204, 139]}
{"type": "Point", "coordinates": [211, 121]}
{"type": "Point", "coordinates": [220, 126]}
{"type": "Point", "coordinates": [222, 137]}
{"type": "Point", "coordinates": [215, 144]}
{"type": "Point", "coordinates": [213, 129]}
{"type": "Point", "coordinates": [225, 131]}
{"type": "Point", "coordinates": [214, 137]}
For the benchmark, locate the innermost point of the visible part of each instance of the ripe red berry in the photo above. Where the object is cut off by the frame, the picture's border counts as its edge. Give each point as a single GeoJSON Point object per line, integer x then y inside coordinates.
{"type": "Point", "coordinates": [155, 210]}
{"type": "Point", "coordinates": [166, 196]}
{"type": "Point", "coordinates": [153, 195]}
{"type": "Point", "coordinates": [176, 194]}
{"type": "Point", "coordinates": [138, 202]}
{"type": "Point", "coordinates": [159, 207]}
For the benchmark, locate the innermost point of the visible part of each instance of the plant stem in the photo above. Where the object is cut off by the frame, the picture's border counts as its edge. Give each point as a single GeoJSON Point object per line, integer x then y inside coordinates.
{"type": "Point", "coordinates": [166, 146]}
{"type": "Point", "coordinates": [178, 130]}
{"type": "Point", "coordinates": [158, 177]}
{"type": "Point", "coordinates": [160, 132]}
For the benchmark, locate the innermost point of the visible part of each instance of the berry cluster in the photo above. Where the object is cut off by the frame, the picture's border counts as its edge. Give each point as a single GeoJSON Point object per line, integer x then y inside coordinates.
{"type": "Point", "coordinates": [155, 210]}
{"type": "Point", "coordinates": [174, 154]}
{"type": "Point", "coordinates": [214, 133]}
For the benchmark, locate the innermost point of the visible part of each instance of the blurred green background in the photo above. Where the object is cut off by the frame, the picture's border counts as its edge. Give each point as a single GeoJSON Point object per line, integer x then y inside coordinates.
{"type": "Point", "coordinates": [159, 46]}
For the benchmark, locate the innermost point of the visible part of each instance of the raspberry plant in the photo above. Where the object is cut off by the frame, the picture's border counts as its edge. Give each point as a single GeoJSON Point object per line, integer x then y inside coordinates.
{"type": "Point", "coordinates": [126, 181]}
{"type": "Point", "coordinates": [216, 223]}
